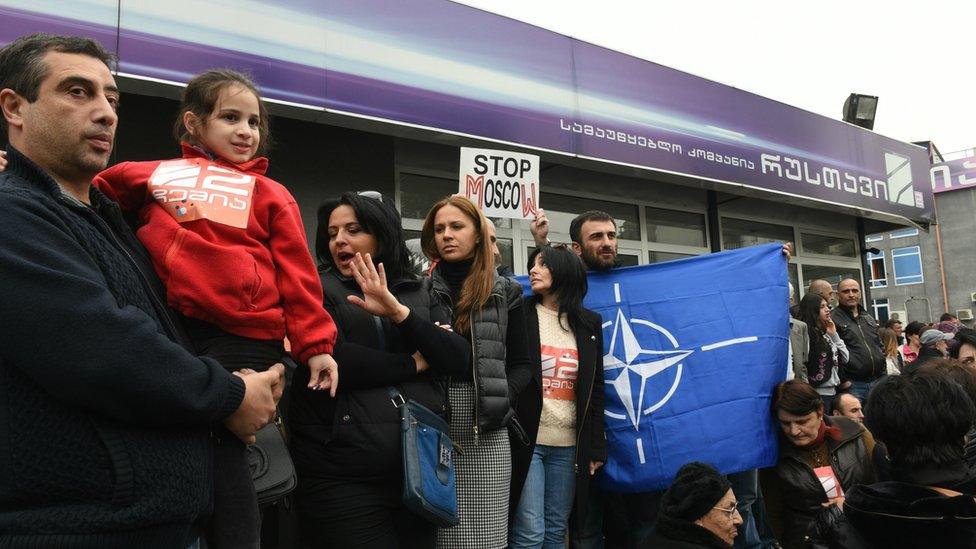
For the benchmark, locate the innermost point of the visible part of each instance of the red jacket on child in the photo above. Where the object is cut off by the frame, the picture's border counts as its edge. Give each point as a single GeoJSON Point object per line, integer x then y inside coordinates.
{"type": "Point", "coordinates": [229, 245]}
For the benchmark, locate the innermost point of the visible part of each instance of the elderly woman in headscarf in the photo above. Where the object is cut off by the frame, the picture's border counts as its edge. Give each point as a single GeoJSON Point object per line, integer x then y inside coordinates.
{"type": "Point", "coordinates": [697, 511]}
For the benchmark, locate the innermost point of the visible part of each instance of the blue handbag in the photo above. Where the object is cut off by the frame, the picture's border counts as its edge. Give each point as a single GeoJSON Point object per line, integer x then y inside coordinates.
{"type": "Point", "coordinates": [429, 484]}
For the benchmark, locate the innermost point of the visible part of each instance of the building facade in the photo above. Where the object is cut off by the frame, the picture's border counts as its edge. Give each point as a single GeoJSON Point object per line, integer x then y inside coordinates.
{"type": "Point", "coordinates": [380, 94]}
{"type": "Point", "coordinates": [918, 275]}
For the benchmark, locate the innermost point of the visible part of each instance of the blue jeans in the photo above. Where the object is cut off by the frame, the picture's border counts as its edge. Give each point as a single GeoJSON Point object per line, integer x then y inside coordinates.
{"type": "Point", "coordinates": [860, 389]}
{"type": "Point", "coordinates": [745, 486]}
{"type": "Point", "coordinates": [547, 499]}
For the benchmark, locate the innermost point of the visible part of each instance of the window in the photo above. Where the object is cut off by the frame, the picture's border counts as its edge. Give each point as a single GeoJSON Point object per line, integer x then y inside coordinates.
{"type": "Point", "coordinates": [903, 233]}
{"type": "Point", "coordinates": [505, 248]}
{"type": "Point", "coordinates": [658, 257]}
{"type": "Point", "coordinates": [627, 260]}
{"type": "Point", "coordinates": [879, 278]}
{"type": "Point", "coordinates": [907, 264]}
{"type": "Point", "coordinates": [739, 233]}
{"type": "Point", "coordinates": [874, 238]}
{"type": "Point", "coordinates": [831, 274]}
{"type": "Point", "coordinates": [419, 192]}
{"type": "Point", "coordinates": [880, 307]}
{"type": "Point", "coordinates": [673, 227]}
{"type": "Point", "coordinates": [828, 245]}
{"type": "Point", "coordinates": [561, 209]}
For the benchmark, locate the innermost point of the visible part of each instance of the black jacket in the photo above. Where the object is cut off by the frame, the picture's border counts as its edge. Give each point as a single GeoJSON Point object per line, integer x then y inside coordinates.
{"type": "Point", "coordinates": [357, 434]}
{"type": "Point", "coordinates": [675, 533]}
{"type": "Point", "coordinates": [501, 368]}
{"type": "Point", "coordinates": [794, 494]}
{"type": "Point", "coordinates": [104, 422]}
{"type": "Point", "coordinates": [591, 443]}
{"type": "Point", "coordinates": [895, 515]}
{"type": "Point", "coordinates": [925, 354]}
{"type": "Point", "coordinates": [867, 359]}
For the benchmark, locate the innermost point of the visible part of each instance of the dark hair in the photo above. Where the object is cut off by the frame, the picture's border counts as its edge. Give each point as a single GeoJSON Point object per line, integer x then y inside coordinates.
{"type": "Point", "coordinates": [796, 397]}
{"type": "Point", "coordinates": [922, 419]}
{"type": "Point", "coordinates": [201, 95]}
{"type": "Point", "coordinates": [914, 328]}
{"type": "Point", "coordinates": [835, 403]}
{"type": "Point", "coordinates": [376, 218]}
{"type": "Point", "coordinates": [820, 361]}
{"type": "Point", "coordinates": [952, 369]}
{"type": "Point", "coordinates": [592, 215]}
{"type": "Point", "coordinates": [568, 281]}
{"type": "Point", "coordinates": [22, 68]}
{"type": "Point", "coordinates": [947, 316]}
{"type": "Point", "coordinates": [891, 323]}
{"type": "Point", "coordinates": [810, 312]}
{"type": "Point", "coordinates": [965, 336]}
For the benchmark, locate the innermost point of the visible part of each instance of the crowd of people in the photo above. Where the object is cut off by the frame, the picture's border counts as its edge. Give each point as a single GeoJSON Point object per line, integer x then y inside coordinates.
{"type": "Point", "coordinates": [145, 337]}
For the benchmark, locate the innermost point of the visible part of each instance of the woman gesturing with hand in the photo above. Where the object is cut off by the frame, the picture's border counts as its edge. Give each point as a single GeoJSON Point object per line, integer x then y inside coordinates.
{"type": "Point", "coordinates": [347, 449]}
{"type": "Point", "coordinates": [377, 298]}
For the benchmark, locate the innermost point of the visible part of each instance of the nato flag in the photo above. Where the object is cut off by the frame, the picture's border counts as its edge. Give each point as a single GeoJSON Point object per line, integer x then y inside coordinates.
{"type": "Point", "coordinates": [693, 350]}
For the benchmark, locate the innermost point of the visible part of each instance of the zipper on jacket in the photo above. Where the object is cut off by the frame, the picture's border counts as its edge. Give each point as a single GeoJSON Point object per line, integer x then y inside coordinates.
{"type": "Point", "coordinates": [474, 370]}
{"type": "Point", "coordinates": [579, 425]}
{"type": "Point", "coordinates": [864, 340]}
{"type": "Point", "coordinates": [474, 378]}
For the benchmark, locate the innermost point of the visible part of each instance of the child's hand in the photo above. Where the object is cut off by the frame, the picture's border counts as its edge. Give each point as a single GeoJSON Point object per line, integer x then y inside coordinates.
{"type": "Point", "coordinates": [325, 373]}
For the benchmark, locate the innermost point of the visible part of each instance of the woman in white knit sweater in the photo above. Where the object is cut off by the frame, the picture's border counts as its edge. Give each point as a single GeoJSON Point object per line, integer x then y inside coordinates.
{"type": "Point", "coordinates": [566, 423]}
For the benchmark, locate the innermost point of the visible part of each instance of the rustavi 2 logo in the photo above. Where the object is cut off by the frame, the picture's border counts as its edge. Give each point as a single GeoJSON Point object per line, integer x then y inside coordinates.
{"type": "Point", "coordinates": [645, 356]}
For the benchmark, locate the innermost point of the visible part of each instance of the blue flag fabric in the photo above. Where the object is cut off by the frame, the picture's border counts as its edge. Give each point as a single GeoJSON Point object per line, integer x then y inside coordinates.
{"type": "Point", "coordinates": [694, 349]}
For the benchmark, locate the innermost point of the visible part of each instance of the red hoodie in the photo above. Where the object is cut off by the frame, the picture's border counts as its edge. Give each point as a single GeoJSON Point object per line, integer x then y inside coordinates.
{"type": "Point", "coordinates": [229, 245]}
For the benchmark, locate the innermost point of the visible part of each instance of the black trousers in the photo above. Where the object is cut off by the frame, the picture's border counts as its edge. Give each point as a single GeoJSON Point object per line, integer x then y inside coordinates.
{"type": "Point", "coordinates": [236, 519]}
{"type": "Point", "coordinates": [352, 513]}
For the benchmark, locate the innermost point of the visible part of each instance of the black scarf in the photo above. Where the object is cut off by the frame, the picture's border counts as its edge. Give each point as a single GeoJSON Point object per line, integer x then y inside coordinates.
{"type": "Point", "coordinates": [454, 274]}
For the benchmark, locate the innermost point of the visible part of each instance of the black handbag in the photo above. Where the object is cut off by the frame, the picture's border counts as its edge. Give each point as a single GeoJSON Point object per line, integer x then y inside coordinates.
{"type": "Point", "coordinates": [429, 479]}
{"type": "Point", "coordinates": [272, 470]}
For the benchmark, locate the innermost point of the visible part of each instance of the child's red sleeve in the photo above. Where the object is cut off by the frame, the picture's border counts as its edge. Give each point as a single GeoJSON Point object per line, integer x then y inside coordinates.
{"type": "Point", "coordinates": [125, 185]}
{"type": "Point", "coordinates": [309, 326]}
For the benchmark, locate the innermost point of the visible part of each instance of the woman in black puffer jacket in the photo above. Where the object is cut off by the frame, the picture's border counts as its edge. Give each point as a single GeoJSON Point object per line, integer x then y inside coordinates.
{"type": "Point", "coordinates": [347, 449]}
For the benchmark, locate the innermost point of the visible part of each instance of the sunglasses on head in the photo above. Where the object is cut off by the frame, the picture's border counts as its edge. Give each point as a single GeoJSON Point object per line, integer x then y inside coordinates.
{"type": "Point", "coordinates": [375, 195]}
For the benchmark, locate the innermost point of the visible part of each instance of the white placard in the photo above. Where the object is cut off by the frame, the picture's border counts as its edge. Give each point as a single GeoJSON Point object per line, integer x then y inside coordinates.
{"type": "Point", "coordinates": [501, 183]}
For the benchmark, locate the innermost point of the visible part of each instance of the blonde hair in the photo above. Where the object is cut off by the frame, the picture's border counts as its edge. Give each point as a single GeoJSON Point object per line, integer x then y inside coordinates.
{"type": "Point", "coordinates": [889, 341]}
{"type": "Point", "coordinates": [477, 286]}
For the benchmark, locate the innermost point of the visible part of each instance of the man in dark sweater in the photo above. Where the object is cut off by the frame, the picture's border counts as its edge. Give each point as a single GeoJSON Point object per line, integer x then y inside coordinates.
{"type": "Point", "coordinates": [104, 414]}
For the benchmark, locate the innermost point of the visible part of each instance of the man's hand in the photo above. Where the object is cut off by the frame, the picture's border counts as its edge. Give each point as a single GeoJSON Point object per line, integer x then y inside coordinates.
{"type": "Point", "coordinates": [325, 373]}
{"type": "Point", "coordinates": [539, 227]}
{"type": "Point", "coordinates": [787, 250]}
{"type": "Point", "coordinates": [258, 408]}
{"type": "Point", "coordinates": [3, 160]}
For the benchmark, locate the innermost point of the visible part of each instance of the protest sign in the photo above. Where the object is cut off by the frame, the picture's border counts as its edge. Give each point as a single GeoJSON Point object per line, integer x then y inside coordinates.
{"type": "Point", "coordinates": [500, 183]}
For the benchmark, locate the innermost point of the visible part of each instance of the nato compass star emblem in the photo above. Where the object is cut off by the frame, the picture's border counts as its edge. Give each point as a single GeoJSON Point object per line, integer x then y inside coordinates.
{"type": "Point", "coordinates": [627, 362]}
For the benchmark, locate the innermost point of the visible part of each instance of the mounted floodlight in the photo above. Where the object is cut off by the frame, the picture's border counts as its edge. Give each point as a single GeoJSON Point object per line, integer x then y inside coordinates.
{"type": "Point", "coordinates": [859, 110]}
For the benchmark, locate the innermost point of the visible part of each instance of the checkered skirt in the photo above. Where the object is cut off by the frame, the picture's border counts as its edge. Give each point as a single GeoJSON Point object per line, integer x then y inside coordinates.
{"type": "Point", "coordinates": [484, 473]}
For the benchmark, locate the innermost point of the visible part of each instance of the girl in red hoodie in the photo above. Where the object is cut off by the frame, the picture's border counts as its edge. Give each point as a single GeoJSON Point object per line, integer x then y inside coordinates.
{"type": "Point", "coordinates": [230, 247]}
